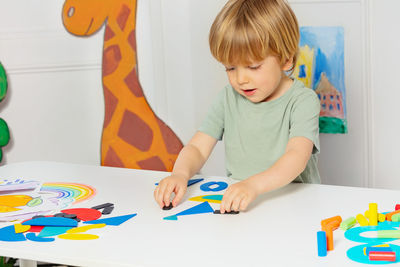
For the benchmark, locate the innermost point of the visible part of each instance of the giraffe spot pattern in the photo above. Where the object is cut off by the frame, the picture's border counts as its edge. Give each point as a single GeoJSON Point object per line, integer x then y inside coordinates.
{"type": "Point", "coordinates": [153, 163]}
{"type": "Point", "coordinates": [111, 59]}
{"type": "Point", "coordinates": [110, 102]}
{"type": "Point", "coordinates": [171, 141]}
{"type": "Point", "coordinates": [108, 34]}
{"type": "Point", "coordinates": [123, 16]}
{"type": "Point", "coordinates": [132, 81]}
{"type": "Point", "coordinates": [132, 39]}
{"type": "Point", "coordinates": [112, 159]}
{"type": "Point", "coordinates": [135, 131]}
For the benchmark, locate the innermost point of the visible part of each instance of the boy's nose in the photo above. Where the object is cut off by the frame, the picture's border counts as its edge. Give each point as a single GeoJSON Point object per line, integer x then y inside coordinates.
{"type": "Point", "coordinates": [241, 77]}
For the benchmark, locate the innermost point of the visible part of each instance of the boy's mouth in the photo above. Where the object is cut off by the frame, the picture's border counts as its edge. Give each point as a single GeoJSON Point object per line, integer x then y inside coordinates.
{"type": "Point", "coordinates": [249, 92]}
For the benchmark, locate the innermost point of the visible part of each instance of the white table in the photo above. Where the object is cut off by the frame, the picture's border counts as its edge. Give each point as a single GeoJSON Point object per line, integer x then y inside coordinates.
{"type": "Point", "coordinates": [279, 229]}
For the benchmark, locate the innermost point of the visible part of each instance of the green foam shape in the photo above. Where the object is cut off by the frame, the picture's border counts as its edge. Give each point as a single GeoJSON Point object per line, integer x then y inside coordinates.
{"type": "Point", "coordinates": [389, 234]}
{"type": "Point", "coordinates": [396, 217]}
{"type": "Point", "coordinates": [348, 223]}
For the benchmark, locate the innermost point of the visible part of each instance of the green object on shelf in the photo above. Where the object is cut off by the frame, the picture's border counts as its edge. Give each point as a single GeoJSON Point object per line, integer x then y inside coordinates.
{"type": "Point", "coordinates": [4, 131]}
{"type": "Point", "coordinates": [3, 83]}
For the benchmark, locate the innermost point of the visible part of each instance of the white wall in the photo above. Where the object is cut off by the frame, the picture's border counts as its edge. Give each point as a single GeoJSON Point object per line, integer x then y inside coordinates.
{"type": "Point", "coordinates": [54, 106]}
{"type": "Point", "coordinates": [385, 93]}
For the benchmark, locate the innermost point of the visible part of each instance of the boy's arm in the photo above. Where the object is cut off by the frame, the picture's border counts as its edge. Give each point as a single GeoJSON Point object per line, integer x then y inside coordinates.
{"type": "Point", "coordinates": [190, 160]}
{"type": "Point", "coordinates": [282, 172]}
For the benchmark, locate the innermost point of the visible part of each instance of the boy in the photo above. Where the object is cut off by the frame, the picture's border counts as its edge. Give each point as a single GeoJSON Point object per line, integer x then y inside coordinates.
{"type": "Point", "coordinates": [269, 121]}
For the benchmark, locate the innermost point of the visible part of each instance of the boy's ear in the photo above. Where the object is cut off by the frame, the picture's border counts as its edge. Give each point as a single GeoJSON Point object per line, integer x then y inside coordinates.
{"type": "Point", "coordinates": [288, 65]}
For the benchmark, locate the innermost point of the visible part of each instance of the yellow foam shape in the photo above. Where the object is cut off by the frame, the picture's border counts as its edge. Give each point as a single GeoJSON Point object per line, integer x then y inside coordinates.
{"type": "Point", "coordinates": [14, 200]}
{"type": "Point", "coordinates": [82, 229]}
{"type": "Point", "coordinates": [381, 217]}
{"type": "Point", "coordinates": [19, 228]}
{"type": "Point", "coordinates": [78, 236]}
{"type": "Point", "coordinates": [362, 220]}
{"type": "Point", "coordinates": [201, 199]}
{"type": "Point", "coordinates": [4, 209]}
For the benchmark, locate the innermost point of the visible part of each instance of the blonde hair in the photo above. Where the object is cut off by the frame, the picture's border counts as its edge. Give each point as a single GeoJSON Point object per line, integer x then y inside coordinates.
{"type": "Point", "coordinates": [247, 31]}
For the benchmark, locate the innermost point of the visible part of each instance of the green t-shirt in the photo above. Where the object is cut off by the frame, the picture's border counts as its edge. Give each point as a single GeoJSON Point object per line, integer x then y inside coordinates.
{"type": "Point", "coordinates": [256, 134]}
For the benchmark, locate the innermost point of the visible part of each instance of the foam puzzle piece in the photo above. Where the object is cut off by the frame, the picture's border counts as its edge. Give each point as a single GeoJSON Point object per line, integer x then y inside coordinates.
{"type": "Point", "coordinates": [36, 238]}
{"type": "Point", "coordinates": [82, 229]}
{"type": "Point", "coordinates": [8, 234]}
{"type": "Point", "coordinates": [171, 218]}
{"type": "Point", "coordinates": [106, 207]}
{"type": "Point", "coordinates": [107, 210]}
{"type": "Point", "coordinates": [35, 228]}
{"type": "Point", "coordinates": [355, 234]}
{"type": "Point", "coordinates": [208, 186]}
{"type": "Point", "coordinates": [78, 236]}
{"type": "Point", "coordinates": [208, 198]}
{"type": "Point", "coordinates": [168, 207]}
{"type": "Point", "coordinates": [201, 208]}
{"type": "Point", "coordinates": [191, 181]}
{"type": "Point", "coordinates": [53, 231]}
{"type": "Point", "coordinates": [51, 221]}
{"type": "Point", "coordinates": [356, 254]}
{"type": "Point", "coordinates": [84, 214]}
{"type": "Point", "coordinates": [19, 228]}
{"type": "Point", "coordinates": [65, 215]}
{"type": "Point", "coordinates": [113, 220]}
{"type": "Point", "coordinates": [226, 212]}
{"type": "Point", "coordinates": [194, 181]}
{"type": "Point", "coordinates": [102, 206]}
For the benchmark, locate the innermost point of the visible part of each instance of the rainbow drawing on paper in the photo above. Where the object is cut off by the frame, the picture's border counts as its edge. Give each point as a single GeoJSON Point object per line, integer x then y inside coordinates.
{"type": "Point", "coordinates": [74, 191]}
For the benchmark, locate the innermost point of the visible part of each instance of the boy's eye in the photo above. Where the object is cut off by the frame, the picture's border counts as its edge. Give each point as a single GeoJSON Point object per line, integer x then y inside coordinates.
{"type": "Point", "coordinates": [229, 68]}
{"type": "Point", "coordinates": [254, 67]}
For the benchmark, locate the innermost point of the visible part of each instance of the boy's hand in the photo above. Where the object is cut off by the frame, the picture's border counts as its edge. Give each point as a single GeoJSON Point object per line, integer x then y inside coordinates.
{"type": "Point", "coordinates": [174, 183]}
{"type": "Point", "coordinates": [238, 196]}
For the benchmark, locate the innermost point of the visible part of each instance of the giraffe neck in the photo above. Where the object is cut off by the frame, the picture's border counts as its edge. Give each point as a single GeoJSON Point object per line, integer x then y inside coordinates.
{"type": "Point", "coordinates": [133, 136]}
{"type": "Point", "coordinates": [119, 68]}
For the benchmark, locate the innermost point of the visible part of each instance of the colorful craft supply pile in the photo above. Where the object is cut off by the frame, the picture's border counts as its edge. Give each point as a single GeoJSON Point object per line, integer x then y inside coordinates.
{"type": "Point", "coordinates": [65, 225]}
{"type": "Point", "coordinates": [375, 248]}
{"type": "Point", "coordinates": [21, 199]}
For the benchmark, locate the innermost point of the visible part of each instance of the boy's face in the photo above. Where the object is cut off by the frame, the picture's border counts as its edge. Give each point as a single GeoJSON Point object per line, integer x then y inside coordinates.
{"type": "Point", "coordinates": [260, 81]}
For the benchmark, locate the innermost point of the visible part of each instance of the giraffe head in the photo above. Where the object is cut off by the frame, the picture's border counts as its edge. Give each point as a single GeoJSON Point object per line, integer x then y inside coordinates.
{"type": "Point", "coordinates": [85, 17]}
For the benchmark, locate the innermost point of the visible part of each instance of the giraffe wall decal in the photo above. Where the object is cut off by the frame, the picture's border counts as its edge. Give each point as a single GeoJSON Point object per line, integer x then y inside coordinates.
{"type": "Point", "coordinates": [133, 136]}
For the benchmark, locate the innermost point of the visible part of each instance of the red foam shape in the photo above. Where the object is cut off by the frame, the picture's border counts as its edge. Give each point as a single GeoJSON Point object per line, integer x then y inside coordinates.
{"type": "Point", "coordinates": [84, 214]}
{"type": "Point", "coordinates": [35, 229]}
{"type": "Point", "coordinates": [382, 256]}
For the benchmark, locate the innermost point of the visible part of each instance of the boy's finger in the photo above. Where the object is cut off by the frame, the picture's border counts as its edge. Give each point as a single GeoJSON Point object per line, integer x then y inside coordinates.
{"type": "Point", "coordinates": [226, 203]}
{"type": "Point", "coordinates": [243, 204]}
{"type": "Point", "coordinates": [160, 196]}
{"type": "Point", "coordinates": [236, 203]}
{"type": "Point", "coordinates": [167, 194]}
{"type": "Point", "coordinates": [178, 196]}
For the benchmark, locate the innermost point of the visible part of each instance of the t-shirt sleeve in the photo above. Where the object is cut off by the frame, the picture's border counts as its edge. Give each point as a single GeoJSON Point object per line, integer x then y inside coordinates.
{"type": "Point", "coordinates": [214, 122]}
{"type": "Point", "coordinates": [305, 119]}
